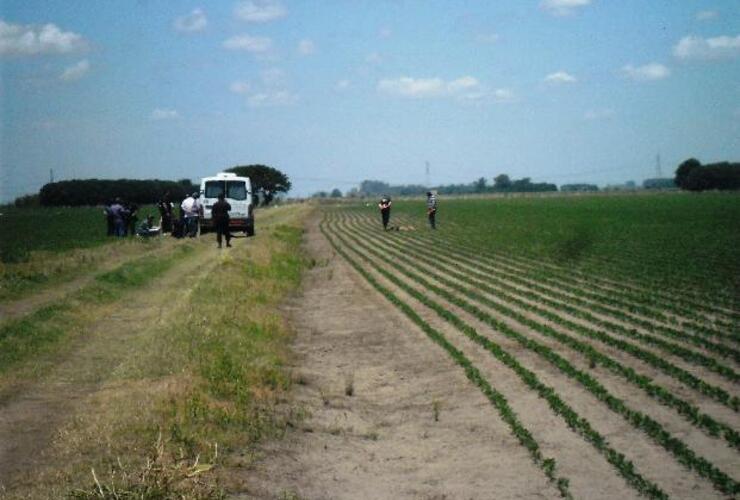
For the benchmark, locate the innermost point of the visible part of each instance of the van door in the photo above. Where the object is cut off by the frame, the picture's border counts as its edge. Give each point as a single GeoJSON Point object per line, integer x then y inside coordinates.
{"type": "Point", "coordinates": [237, 195]}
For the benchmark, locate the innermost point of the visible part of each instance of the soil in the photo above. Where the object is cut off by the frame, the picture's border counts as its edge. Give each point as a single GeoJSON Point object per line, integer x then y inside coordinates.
{"type": "Point", "coordinates": [389, 414]}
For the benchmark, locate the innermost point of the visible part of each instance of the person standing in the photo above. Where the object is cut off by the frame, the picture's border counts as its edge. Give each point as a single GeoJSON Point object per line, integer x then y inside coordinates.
{"type": "Point", "coordinates": [432, 209]}
{"type": "Point", "coordinates": [109, 219]}
{"type": "Point", "coordinates": [385, 210]}
{"type": "Point", "coordinates": [119, 214]}
{"type": "Point", "coordinates": [165, 211]}
{"type": "Point", "coordinates": [220, 214]}
{"type": "Point", "coordinates": [191, 208]}
{"type": "Point", "coordinates": [132, 218]}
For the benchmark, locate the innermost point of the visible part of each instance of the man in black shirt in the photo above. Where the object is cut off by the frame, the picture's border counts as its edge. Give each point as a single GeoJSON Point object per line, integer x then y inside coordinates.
{"type": "Point", "coordinates": [220, 214]}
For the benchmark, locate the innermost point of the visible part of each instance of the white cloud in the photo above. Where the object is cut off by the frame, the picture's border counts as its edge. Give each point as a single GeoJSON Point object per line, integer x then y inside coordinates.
{"type": "Point", "coordinates": [260, 11]}
{"type": "Point", "coordinates": [273, 77]}
{"type": "Point", "coordinates": [695, 47]}
{"type": "Point", "coordinates": [240, 87]}
{"type": "Point", "coordinates": [248, 43]}
{"type": "Point", "coordinates": [466, 87]}
{"type": "Point", "coordinates": [707, 15]}
{"type": "Point", "coordinates": [19, 40]}
{"type": "Point", "coordinates": [276, 98]}
{"type": "Point", "coordinates": [648, 72]}
{"type": "Point", "coordinates": [599, 114]}
{"type": "Point", "coordinates": [560, 77]}
{"type": "Point", "coordinates": [193, 22]}
{"type": "Point", "coordinates": [160, 114]}
{"type": "Point", "coordinates": [563, 7]}
{"type": "Point", "coordinates": [76, 71]}
{"type": "Point", "coordinates": [306, 47]}
{"type": "Point", "coordinates": [504, 95]}
{"type": "Point", "coordinates": [342, 85]}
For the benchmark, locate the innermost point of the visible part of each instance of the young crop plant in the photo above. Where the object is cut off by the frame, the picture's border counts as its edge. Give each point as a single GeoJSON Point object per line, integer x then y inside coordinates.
{"type": "Point", "coordinates": [639, 420]}
{"type": "Point", "coordinates": [573, 420]}
{"type": "Point", "coordinates": [684, 376]}
{"type": "Point", "coordinates": [548, 465]}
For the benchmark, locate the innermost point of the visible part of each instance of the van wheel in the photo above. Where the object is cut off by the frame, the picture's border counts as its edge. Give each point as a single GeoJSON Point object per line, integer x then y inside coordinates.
{"type": "Point", "coordinates": [249, 231]}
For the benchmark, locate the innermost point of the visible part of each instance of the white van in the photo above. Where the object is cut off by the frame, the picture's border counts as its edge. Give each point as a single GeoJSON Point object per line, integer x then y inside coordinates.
{"type": "Point", "coordinates": [238, 191]}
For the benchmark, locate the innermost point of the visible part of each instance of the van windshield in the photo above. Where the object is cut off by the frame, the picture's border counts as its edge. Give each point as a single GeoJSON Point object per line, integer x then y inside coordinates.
{"type": "Point", "coordinates": [235, 190]}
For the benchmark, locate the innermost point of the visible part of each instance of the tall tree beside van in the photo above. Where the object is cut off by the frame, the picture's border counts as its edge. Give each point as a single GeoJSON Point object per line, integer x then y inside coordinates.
{"type": "Point", "coordinates": [266, 181]}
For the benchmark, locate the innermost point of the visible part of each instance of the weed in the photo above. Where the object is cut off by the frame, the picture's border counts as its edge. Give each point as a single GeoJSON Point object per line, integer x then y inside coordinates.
{"type": "Point", "coordinates": [349, 385]}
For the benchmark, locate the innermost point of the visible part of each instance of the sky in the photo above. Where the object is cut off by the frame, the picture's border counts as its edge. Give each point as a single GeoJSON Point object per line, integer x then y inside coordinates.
{"type": "Point", "coordinates": [333, 92]}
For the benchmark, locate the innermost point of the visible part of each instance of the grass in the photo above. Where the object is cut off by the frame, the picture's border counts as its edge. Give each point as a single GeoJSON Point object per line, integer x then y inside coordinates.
{"type": "Point", "coordinates": [42, 247]}
{"type": "Point", "coordinates": [212, 374]}
{"type": "Point", "coordinates": [52, 229]}
{"type": "Point", "coordinates": [38, 332]}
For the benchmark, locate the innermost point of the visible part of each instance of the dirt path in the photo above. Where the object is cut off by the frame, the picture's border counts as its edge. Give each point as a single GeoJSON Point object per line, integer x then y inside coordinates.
{"type": "Point", "coordinates": [389, 414]}
{"type": "Point", "coordinates": [13, 309]}
{"type": "Point", "coordinates": [29, 421]}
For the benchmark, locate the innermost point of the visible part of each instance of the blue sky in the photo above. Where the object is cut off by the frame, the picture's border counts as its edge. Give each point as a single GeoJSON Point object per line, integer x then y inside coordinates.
{"type": "Point", "coordinates": [334, 92]}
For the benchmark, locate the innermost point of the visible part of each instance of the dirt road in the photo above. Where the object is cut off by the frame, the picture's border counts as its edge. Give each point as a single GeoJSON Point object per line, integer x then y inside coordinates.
{"type": "Point", "coordinates": [389, 415]}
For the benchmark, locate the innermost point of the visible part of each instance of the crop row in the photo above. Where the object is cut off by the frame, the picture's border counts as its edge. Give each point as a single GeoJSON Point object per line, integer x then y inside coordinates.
{"type": "Point", "coordinates": [652, 428]}
{"type": "Point", "coordinates": [691, 413]}
{"type": "Point", "coordinates": [499, 401]}
{"type": "Point", "coordinates": [654, 360]}
{"type": "Point", "coordinates": [609, 297]}
{"type": "Point", "coordinates": [580, 425]}
{"type": "Point", "coordinates": [637, 294]}
{"type": "Point", "coordinates": [688, 411]}
{"type": "Point", "coordinates": [689, 297]}
{"type": "Point", "coordinates": [565, 302]}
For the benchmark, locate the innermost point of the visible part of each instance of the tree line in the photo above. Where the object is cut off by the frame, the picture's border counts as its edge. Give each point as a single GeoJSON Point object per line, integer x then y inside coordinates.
{"type": "Point", "coordinates": [691, 175]}
{"type": "Point", "coordinates": [80, 192]}
{"type": "Point", "coordinates": [267, 182]}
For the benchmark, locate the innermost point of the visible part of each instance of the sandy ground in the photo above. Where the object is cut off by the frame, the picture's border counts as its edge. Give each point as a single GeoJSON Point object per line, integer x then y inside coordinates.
{"type": "Point", "coordinates": [413, 426]}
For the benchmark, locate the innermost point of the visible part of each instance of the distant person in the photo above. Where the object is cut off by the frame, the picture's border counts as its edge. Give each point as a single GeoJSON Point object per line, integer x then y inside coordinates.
{"type": "Point", "coordinates": [432, 209]}
{"type": "Point", "coordinates": [119, 212]}
{"type": "Point", "coordinates": [178, 225]}
{"type": "Point", "coordinates": [165, 211]}
{"type": "Point", "coordinates": [111, 230]}
{"type": "Point", "coordinates": [191, 208]}
{"type": "Point", "coordinates": [385, 210]}
{"type": "Point", "coordinates": [132, 218]}
{"type": "Point", "coordinates": [220, 214]}
{"type": "Point", "coordinates": [147, 229]}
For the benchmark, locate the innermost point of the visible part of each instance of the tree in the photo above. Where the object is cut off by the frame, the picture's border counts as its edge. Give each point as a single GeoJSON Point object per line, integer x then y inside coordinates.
{"type": "Point", "coordinates": [336, 193]}
{"type": "Point", "coordinates": [265, 180]}
{"type": "Point", "coordinates": [684, 170]}
{"type": "Point", "coordinates": [501, 182]}
{"type": "Point", "coordinates": [480, 185]}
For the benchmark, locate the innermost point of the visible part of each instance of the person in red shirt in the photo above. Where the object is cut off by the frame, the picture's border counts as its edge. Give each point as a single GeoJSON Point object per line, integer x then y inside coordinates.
{"type": "Point", "coordinates": [385, 211]}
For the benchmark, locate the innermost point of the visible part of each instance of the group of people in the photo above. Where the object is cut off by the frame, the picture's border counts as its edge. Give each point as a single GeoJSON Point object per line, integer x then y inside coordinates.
{"type": "Point", "coordinates": [385, 210]}
{"type": "Point", "coordinates": [186, 224]}
{"type": "Point", "coordinates": [122, 218]}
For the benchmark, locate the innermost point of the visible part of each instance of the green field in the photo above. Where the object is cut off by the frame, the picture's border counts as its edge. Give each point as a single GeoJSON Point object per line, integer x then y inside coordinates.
{"type": "Point", "coordinates": [54, 229]}
{"type": "Point", "coordinates": [675, 239]}
{"type": "Point", "coordinates": [617, 312]}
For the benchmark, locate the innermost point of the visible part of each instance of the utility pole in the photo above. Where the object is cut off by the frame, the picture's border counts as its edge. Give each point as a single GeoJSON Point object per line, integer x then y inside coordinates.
{"type": "Point", "coordinates": [658, 169]}
{"type": "Point", "coordinates": [427, 175]}
{"type": "Point", "coordinates": [51, 175]}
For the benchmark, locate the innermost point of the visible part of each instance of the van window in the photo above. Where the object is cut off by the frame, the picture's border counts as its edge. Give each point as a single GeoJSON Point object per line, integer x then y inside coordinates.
{"type": "Point", "coordinates": [214, 188]}
{"type": "Point", "coordinates": [236, 190]}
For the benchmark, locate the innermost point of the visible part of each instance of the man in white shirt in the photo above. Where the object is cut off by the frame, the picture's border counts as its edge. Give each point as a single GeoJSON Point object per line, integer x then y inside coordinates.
{"type": "Point", "coordinates": [191, 208]}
